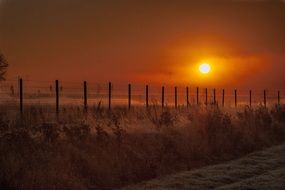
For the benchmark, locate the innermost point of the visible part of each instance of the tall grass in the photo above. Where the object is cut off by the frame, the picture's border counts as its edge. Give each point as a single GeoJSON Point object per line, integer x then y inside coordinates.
{"type": "Point", "coordinates": [107, 150]}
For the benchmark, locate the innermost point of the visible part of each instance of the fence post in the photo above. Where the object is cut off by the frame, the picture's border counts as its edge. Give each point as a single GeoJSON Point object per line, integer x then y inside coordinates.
{"type": "Point", "coordinates": [57, 95]}
{"type": "Point", "coordinates": [85, 95]}
{"type": "Point", "coordinates": [146, 96]}
{"type": "Point", "coordinates": [278, 97]}
{"type": "Point", "coordinates": [214, 96]}
{"type": "Point", "coordinates": [130, 96]}
{"type": "Point", "coordinates": [235, 98]}
{"type": "Point", "coordinates": [175, 96]}
{"type": "Point", "coordinates": [206, 102]}
{"type": "Point", "coordinates": [250, 98]}
{"type": "Point", "coordinates": [162, 97]}
{"type": "Point", "coordinates": [110, 95]}
{"type": "Point", "coordinates": [21, 94]}
{"type": "Point", "coordinates": [264, 97]}
{"type": "Point", "coordinates": [187, 96]}
{"type": "Point", "coordinates": [197, 95]}
{"type": "Point", "coordinates": [223, 98]}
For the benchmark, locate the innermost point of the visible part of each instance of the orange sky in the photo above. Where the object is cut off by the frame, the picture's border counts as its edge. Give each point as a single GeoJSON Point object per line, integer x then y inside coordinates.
{"type": "Point", "coordinates": [145, 41]}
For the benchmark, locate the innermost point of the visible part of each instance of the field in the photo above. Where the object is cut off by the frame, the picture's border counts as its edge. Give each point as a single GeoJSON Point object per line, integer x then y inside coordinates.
{"type": "Point", "coordinates": [259, 170]}
{"type": "Point", "coordinates": [104, 149]}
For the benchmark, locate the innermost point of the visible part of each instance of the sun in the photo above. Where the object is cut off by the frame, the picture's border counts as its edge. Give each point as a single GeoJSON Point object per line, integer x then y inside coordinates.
{"type": "Point", "coordinates": [205, 68]}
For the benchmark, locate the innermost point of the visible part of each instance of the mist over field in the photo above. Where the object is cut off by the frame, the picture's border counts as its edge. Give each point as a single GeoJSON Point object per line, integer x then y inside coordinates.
{"type": "Point", "coordinates": [102, 95]}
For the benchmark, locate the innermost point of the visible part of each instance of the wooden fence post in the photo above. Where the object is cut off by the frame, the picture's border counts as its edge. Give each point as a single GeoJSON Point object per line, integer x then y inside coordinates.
{"type": "Point", "coordinates": [197, 95]}
{"type": "Point", "coordinates": [206, 94]}
{"type": "Point", "coordinates": [250, 98]}
{"type": "Point", "coordinates": [57, 96]}
{"type": "Point", "coordinates": [264, 98]}
{"type": "Point", "coordinates": [278, 98]}
{"type": "Point", "coordinates": [162, 97]}
{"type": "Point", "coordinates": [175, 96]}
{"type": "Point", "coordinates": [110, 95]}
{"type": "Point", "coordinates": [235, 98]}
{"type": "Point", "coordinates": [214, 96]}
{"type": "Point", "coordinates": [85, 95]}
{"type": "Point", "coordinates": [21, 94]}
{"type": "Point", "coordinates": [130, 96]}
{"type": "Point", "coordinates": [146, 96]}
{"type": "Point", "coordinates": [223, 98]}
{"type": "Point", "coordinates": [187, 97]}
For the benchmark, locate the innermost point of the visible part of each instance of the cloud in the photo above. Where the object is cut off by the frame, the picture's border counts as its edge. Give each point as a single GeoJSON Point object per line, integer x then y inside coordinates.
{"type": "Point", "coordinates": [2, 1]}
{"type": "Point", "coordinates": [111, 38]}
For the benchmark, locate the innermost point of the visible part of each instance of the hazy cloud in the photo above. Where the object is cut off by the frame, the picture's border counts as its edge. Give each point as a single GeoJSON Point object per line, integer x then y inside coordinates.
{"type": "Point", "coordinates": [124, 39]}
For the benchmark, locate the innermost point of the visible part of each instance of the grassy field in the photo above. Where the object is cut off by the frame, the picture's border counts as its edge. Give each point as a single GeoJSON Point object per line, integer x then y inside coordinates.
{"type": "Point", "coordinates": [107, 150]}
{"type": "Point", "coordinates": [260, 170]}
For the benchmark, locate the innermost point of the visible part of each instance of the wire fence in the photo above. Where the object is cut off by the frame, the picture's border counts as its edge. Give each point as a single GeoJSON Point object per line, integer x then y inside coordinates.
{"type": "Point", "coordinates": [20, 93]}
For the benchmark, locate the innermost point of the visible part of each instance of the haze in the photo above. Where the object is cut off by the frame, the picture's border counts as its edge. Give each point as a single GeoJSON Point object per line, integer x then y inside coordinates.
{"type": "Point", "coordinates": [145, 41]}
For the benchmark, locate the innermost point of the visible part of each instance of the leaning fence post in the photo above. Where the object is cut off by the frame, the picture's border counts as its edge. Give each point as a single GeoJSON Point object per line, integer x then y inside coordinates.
{"type": "Point", "coordinates": [175, 96]}
{"type": "Point", "coordinates": [21, 94]}
{"type": "Point", "coordinates": [85, 95]}
{"type": "Point", "coordinates": [57, 95]}
{"type": "Point", "coordinates": [130, 96]}
{"type": "Point", "coordinates": [278, 97]}
{"type": "Point", "coordinates": [264, 97]}
{"type": "Point", "coordinates": [110, 95]}
{"type": "Point", "coordinates": [146, 96]}
{"type": "Point", "coordinates": [162, 97]}
{"type": "Point", "coordinates": [187, 96]}
{"type": "Point", "coordinates": [235, 98]}
{"type": "Point", "coordinates": [223, 98]}
{"type": "Point", "coordinates": [197, 95]}
{"type": "Point", "coordinates": [206, 94]}
{"type": "Point", "coordinates": [250, 98]}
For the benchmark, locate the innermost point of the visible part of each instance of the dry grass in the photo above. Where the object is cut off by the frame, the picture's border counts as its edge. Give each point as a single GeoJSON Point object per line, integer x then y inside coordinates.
{"type": "Point", "coordinates": [107, 150]}
{"type": "Point", "coordinates": [260, 170]}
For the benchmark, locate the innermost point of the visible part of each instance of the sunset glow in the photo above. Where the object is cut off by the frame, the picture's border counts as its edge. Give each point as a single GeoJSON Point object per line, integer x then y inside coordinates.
{"type": "Point", "coordinates": [205, 68]}
{"type": "Point", "coordinates": [109, 94]}
{"type": "Point", "coordinates": [106, 42]}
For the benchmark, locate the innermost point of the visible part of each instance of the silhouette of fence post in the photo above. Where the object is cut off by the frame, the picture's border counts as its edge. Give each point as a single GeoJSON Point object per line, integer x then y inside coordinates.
{"type": "Point", "coordinates": [264, 98]}
{"type": "Point", "coordinates": [197, 96]}
{"type": "Point", "coordinates": [214, 96]}
{"type": "Point", "coordinates": [278, 97]}
{"type": "Point", "coordinates": [21, 94]}
{"type": "Point", "coordinates": [235, 98]}
{"type": "Point", "coordinates": [162, 97]}
{"type": "Point", "coordinates": [130, 96]}
{"type": "Point", "coordinates": [250, 98]}
{"type": "Point", "coordinates": [57, 96]}
{"type": "Point", "coordinates": [175, 96]}
{"type": "Point", "coordinates": [85, 95]}
{"type": "Point", "coordinates": [110, 95]}
{"type": "Point", "coordinates": [223, 98]}
{"type": "Point", "coordinates": [187, 97]}
{"type": "Point", "coordinates": [206, 94]}
{"type": "Point", "coordinates": [146, 96]}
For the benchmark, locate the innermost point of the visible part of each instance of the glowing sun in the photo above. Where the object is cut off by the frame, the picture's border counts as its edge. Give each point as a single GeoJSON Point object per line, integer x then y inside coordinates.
{"type": "Point", "coordinates": [205, 68]}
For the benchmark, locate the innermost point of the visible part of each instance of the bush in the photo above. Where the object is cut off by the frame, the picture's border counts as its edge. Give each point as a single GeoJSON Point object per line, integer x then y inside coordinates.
{"type": "Point", "coordinates": [107, 150]}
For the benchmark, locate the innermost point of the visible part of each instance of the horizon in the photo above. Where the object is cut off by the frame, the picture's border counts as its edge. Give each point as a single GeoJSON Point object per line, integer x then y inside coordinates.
{"type": "Point", "coordinates": [146, 42]}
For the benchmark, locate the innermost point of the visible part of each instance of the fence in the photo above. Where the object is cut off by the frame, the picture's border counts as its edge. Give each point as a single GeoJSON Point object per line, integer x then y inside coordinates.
{"type": "Point", "coordinates": [23, 93]}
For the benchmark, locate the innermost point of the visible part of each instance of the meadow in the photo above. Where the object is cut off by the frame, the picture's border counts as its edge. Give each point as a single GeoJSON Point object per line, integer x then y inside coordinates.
{"type": "Point", "coordinates": [261, 170]}
{"type": "Point", "coordinates": [103, 149]}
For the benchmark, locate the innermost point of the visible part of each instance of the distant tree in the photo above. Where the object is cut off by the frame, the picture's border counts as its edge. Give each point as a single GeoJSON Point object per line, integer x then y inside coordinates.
{"type": "Point", "coordinates": [3, 67]}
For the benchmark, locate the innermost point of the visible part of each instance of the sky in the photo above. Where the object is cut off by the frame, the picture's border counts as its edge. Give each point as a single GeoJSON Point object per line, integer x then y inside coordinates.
{"type": "Point", "coordinates": [146, 41]}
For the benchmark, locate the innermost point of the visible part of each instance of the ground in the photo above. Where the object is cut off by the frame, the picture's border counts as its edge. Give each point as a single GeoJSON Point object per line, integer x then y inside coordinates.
{"type": "Point", "coordinates": [260, 170]}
